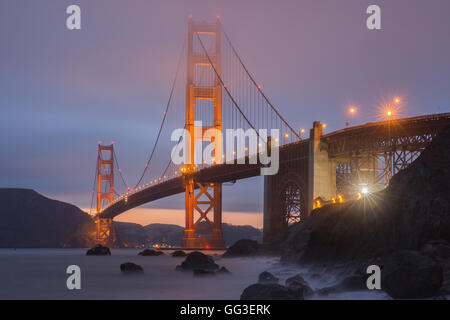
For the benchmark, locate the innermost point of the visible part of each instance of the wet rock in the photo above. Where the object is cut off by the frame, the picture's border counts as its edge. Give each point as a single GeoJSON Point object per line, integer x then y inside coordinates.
{"type": "Point", "coordinates": [267, 277]}
{"type": "Point", "coordinates": [269, 291]}
{"type": "Point", "coordinates": [223, 270]}
{"type": "Point", "coordinates": [198, 260]}
{"type": "Point", "coordinates": [98, 250]}
{"type": "Point", "coordinates": [179, 253]}
{"type": "Point", "coordinates": [203, 273]}
{"type": "Point", "coordinates": [410, 274]}
{"type": "Point", "coordinates": [297, 283]}
{"type": "Point", "coordinates": [131, 268]}
{"type": "Point", "coordinates": [242, 248]}
{"type": "Point", "coordinates": [150, 253]}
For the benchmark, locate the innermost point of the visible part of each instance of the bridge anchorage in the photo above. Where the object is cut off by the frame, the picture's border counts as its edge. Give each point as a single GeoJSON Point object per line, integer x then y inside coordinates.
{"type": "Point", "coordinates": [342, 165]}
{"type": "Point", "coordinates": [321, 169]}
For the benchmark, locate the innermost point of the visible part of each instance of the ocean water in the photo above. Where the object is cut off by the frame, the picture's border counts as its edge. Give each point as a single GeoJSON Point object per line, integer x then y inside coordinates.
{"type": "Point", "coordinates": [41, 274]}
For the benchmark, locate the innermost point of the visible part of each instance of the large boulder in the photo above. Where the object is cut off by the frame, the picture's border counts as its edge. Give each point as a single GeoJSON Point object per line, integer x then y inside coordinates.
{"type": "Point", "coordinates": [440, 251]}
{"type": "Point", "coordinates": [223, 270]}
{"type": "Point", "coordinates": [269, 291]}
{"type": "Point", "coordinates": [203, 273]}
{"type": "Point", "coordinates": [409, 274]}
{"type": "Point", "coordinates": [179, 253]}
{"type": "Point", "coordinates": [242, 248]}
{"type": "Point", "coordinates": [150, 253]}
{"type": "Point", "coordinates": [297, 283]}
{"type": "Point", "coordinates": [198, 260]}
{"type": "Point", "coordinates": [98, 250]}
{"type": "Point", "coordinates": [131, 268]}
{"type": "Point", "coordinates": [267, 277]}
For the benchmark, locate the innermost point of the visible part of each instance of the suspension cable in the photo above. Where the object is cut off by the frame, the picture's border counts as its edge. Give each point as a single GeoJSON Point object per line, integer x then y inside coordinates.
{"type": "Point", "coordinates": [165, 115]}
{"type": "Point", "coordinates": [255, 83]}
{"type": "Point", "coordinates": [119, 169]}
{"type": "Point", "coordinates": [93, 187]}
{"type": "Point", "coordinates": [225, 87]}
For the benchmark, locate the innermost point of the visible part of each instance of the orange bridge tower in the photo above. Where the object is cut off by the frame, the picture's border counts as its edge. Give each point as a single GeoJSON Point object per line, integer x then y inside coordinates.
{"type": "Point", "coordinates": [203, 199]}
{"type": "Point", "coordinates": [105, 194]}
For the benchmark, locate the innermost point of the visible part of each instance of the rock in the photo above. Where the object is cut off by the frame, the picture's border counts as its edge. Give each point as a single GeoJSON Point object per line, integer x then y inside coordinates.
{"type": "Point", "coordinates": [203, 273]}
{"type": "Point", "coordinates": [242, 248]}
{"type": "Point", "coordinates": [409, 274]}
{"type": "Point", "coordinates": [98, 250]}
{"type": "Point", "coordinates": [178, 253]}
{"type": "Point", "coordinates": [267, 277]}
{"type": "Point", "coordinates": [150, 252]}
{"type": "Point", "coordinates": [297, 283]}
{"type": "Point", "coordinates": [269, 291]}
{"type": "Point", "coordinates": [198, 260]}
{"type": "Point", "coordinates": [131, 268]}
{"type": "Point", "coordinates": [439, 250]}
{"type": "Point", "coordinates": [224, 270]}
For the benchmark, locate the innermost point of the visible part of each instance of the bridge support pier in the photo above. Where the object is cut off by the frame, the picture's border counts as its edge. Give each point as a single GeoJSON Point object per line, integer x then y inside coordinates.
{"type": "Point", "coordinates": [105, 232]}
{"type": "Point", "coordinates": [197, 209]}
{"type": "Point", "coordinates": [322, 169]}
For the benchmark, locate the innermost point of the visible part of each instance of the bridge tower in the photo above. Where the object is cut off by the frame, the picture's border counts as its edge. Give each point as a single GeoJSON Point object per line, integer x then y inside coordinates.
{"type": "Point", "coordinates": [105, 179]}
{"type": "Point", "coordinates": [209, 194]}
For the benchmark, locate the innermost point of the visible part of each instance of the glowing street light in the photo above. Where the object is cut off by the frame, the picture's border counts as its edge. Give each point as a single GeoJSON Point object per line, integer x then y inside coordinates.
{"type": "Point", "coordinates": [301, 132]}
{"type": "Point", "coordinates": [397, 100]}
{"type": "Point", "coordinates": [389, 113]}
{"type": "Point", "coordinates": [351, 111]}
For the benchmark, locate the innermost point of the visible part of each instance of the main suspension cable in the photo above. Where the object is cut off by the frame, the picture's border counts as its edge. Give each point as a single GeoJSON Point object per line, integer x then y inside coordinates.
{"type": "Point", "coordinates": [93, 187]}
{"type": "Point", "coordinates": [255, 83]}
{"type": "Point", "coordinates": [119, 169]}
{"type": "Point", "coordinates": [225, 87]}
{"type": "Point", "coordinates": [165, 115]}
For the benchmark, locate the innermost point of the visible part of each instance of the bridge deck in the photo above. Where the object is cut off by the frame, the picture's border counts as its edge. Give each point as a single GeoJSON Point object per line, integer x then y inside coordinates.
{"type": "Point", "coordinates": [229, 172]}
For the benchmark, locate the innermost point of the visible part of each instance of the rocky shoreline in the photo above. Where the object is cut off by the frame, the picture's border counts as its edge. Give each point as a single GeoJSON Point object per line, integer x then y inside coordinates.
{"type": "Point", "coordinates": [403, 229]}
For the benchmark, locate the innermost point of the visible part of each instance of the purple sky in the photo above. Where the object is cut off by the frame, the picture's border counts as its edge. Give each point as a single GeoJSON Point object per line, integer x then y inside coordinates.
{"type": "Point", "coordinates": [61, 91]}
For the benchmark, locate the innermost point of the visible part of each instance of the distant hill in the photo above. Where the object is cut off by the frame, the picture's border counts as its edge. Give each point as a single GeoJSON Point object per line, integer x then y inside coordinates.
{"type": "Point", "coordinates": [30, 220]}
{"type": "Point", "coordinates": [132, 234]}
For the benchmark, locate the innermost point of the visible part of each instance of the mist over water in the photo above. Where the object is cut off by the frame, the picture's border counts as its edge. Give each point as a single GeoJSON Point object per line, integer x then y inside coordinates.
{"type": "Point", "coordinates": [41, 274]}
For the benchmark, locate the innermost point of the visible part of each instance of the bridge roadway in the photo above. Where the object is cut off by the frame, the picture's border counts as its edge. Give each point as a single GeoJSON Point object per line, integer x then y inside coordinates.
{"type": "Point", "coordinates": [370, 135]}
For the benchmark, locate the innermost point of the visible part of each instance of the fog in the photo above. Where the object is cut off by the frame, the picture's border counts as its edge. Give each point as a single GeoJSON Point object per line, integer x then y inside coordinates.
{"type": "Point", "coordinates": [41, 274]}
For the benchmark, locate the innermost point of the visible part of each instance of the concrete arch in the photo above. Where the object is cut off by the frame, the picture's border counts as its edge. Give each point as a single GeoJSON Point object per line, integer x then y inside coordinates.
{"type": "Point", "coordinates": [292, 198]}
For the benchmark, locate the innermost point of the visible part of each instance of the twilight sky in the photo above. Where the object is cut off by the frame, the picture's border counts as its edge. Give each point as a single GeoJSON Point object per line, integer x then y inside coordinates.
{"type": "Point", "coordinates": [61, 91]}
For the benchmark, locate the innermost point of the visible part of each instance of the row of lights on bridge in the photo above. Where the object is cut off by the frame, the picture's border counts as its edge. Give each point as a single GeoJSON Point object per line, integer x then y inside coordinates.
{"type": "Point", "coordinates": [387, 112]}
{"type": "Point", "coordinates": [352, 110]}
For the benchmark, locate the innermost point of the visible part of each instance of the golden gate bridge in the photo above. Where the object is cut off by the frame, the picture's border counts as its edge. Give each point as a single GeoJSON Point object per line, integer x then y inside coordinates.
{"type": "Point", "coordinates": [220, 93]}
